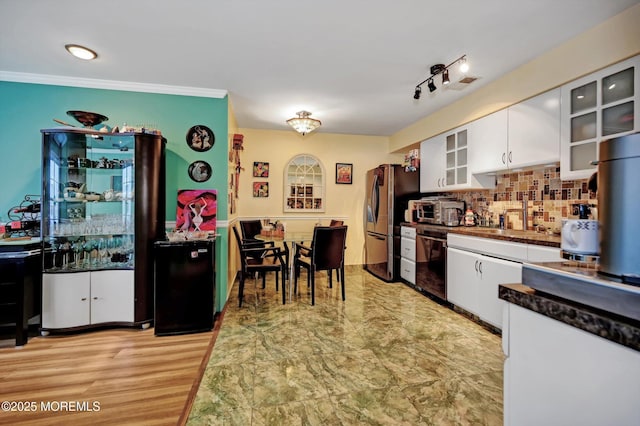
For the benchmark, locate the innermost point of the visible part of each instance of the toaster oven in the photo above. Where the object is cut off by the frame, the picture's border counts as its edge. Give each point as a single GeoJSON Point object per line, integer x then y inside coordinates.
{"type": "Point", "coordinates": [446, 212]}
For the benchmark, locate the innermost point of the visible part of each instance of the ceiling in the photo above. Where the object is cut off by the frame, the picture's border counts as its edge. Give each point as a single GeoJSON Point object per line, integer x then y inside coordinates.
{"type": "Point", "coordinates": [353, 64]}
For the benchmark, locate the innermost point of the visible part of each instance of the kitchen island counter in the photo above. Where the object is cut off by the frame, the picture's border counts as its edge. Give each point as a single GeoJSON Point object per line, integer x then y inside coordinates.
{"type": "Point", "coordinates": [618, 329]}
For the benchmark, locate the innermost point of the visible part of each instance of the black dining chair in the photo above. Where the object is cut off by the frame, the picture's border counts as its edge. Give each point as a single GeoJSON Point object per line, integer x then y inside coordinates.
{"type": "Point", "coordinates": [326, 253]}
{"type": "Point", "coordinates": [250, 228]}
{"type": "Point", "coordinates": [305, 253]}
{"type": "Point", "coordinates": [256, 258]}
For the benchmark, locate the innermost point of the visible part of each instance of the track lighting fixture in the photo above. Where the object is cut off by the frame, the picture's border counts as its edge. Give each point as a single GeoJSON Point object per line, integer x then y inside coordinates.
{"type": "Point", "coordinates": [440, 69]}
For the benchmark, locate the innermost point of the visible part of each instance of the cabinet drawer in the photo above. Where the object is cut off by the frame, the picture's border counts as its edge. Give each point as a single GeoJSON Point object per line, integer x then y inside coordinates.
{"type": "Point", "coordinates": [408, 248]}
{"type": "Point", "coordinates": [408, 232]}
{"type": "Point", "coordinates": [408, 270]}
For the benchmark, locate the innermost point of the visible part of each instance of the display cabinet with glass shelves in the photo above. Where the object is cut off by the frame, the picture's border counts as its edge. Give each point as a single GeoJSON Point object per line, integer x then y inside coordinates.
{"type": "Point", "coordinates": [600, 106]}
{"type": "Point", "coordinates": [102, 210]}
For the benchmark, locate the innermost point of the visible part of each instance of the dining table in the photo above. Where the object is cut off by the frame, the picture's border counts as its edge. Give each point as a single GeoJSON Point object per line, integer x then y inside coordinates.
{"type": "Point", "coordinates": [286, 238]}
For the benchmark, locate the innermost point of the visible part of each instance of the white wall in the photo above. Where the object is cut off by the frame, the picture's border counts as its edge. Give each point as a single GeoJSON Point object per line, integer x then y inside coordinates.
{"type": "Point", "coordinates": [343, 202]}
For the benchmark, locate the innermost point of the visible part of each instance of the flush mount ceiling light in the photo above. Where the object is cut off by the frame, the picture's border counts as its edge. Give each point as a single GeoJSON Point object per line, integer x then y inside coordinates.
{"type": "Point", "coordinates": [441, 69]}
{"type": "Point", "coordinates": [81, 52]}
{"type": "Point", "coordinates": [304, 124]}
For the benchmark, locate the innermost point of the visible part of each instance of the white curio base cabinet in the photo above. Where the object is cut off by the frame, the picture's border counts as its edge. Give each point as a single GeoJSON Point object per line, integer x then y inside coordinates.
{"type": "Point", "coordinates": [82, 298]}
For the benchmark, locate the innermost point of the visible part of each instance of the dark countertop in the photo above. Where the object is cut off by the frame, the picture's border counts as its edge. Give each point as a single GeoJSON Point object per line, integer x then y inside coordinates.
{"type": "Point", "coordinates": [615, 328]}
{"type": "Point", "coordinates": [525, 237]}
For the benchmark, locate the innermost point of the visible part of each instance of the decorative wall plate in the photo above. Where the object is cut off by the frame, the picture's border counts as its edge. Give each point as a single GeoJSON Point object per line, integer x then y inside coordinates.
{"type": "Point", "coordinates": [200, 138]}
{"type": "Point", "coordinates": [200, 171]}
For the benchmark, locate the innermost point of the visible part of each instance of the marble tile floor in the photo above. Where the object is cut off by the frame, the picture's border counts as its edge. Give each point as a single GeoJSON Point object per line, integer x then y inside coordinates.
{"type": "Point", "coordinates": [386, 356]}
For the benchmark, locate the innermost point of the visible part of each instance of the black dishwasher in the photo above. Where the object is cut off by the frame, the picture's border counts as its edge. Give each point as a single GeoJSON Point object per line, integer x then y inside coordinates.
{"type": "Point", "coordinates": [184, 275]}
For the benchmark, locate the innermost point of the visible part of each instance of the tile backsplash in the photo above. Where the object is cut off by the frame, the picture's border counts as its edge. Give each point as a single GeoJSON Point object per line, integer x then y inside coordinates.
{"type": "Point", "coordinates": [549, 199]}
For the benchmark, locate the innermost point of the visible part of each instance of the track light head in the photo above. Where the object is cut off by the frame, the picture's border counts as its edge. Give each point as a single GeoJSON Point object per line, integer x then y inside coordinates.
{"type": "Point", "coordinates": [464, 65]}
{"type": "Point", "coordinates": [417, 93]}
{"type": "Point", "coordinates": [445, 76]}
{"type": "Point", "coordinates": [431, 85]}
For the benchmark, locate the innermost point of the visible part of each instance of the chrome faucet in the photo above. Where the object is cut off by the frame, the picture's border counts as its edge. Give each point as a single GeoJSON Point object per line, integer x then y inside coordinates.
{"type": "Point", "coordinates": [524, 210]}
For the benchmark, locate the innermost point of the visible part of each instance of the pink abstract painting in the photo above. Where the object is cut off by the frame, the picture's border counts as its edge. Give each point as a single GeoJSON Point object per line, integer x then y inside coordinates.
{"type": "Point", "coordinates": [197, 210]}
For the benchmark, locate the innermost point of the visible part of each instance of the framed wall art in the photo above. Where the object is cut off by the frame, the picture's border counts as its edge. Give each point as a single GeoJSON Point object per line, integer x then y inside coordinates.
{"type": "Point", "coordinates": [200, 138]}
{"type": "Point", "coordinates": [197, 209]}
{"type": "Point", "coordinates": [260, 169]}
{"type": "Point", "coordinates": [199, 171]}
{"type": "Point", "coordinates": [260, 189]}
{"type": "Point", "coordinates": [344, 173]}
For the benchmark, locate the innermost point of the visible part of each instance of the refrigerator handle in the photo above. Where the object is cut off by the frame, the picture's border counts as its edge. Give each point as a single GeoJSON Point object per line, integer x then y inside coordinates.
{"type": "Point", "coordinates": [375, 198]}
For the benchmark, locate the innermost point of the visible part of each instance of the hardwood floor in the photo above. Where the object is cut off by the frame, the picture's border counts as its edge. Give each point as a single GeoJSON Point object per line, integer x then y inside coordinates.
{"type": "Point", "coordinates": [124, 376]}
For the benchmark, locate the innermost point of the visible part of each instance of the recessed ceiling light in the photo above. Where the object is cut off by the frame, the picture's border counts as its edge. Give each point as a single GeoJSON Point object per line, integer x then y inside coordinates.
{"type": "Point", "coordinates": [81, 52]}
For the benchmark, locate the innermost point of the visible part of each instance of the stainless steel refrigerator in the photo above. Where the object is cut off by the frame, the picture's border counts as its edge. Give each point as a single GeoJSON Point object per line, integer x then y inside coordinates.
{"type": "Point", "coordinates": [389, 189]}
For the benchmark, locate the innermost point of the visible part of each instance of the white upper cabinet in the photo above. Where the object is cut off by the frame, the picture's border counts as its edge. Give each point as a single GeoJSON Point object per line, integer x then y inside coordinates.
{"type": "Point", "coordinates": [595, 108]}
{"type": "Point", "coordinates": [534, 131]}
{"type": "Point", "coordinates": [490, 143]}
{"type": "Point", "coordinates": [445, 160]}
{"type": "Point", "coordinates": [432, 154]}
{"type": "Point", "coordinates": [525, 134]}
{"type": "Point", "coordinates": [461, 146]}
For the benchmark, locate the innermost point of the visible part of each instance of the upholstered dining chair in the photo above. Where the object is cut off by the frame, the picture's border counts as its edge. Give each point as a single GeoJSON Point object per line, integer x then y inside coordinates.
{"type": "Point", "coordinates": [256, 258]}
{"type": "Point", "coordinates": [326, 253]}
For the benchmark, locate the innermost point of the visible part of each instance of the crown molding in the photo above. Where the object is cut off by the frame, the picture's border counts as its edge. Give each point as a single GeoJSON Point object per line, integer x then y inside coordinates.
{"type": "Point", "coordinates": [128, 86]}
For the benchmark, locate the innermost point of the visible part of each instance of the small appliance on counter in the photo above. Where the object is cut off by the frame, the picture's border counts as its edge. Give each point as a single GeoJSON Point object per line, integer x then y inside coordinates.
{"type": "Point", "coordinates": [580, 236]}
{"type": "Point", "coordinates": [440, 210]}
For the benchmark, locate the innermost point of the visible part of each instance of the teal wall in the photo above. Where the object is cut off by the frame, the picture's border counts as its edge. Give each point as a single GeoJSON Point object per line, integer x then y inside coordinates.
{"type": "Point", "coordinates": [26, 108]}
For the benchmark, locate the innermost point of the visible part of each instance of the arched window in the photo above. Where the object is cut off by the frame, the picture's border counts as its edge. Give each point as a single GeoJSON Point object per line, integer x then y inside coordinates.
{"type": "Point", "coordinates": [304, 185]}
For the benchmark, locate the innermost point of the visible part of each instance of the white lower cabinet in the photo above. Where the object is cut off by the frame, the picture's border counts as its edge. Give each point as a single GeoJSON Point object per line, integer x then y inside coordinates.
{"type": "Point", "coordinates": [555, 374]}
{"type": "Point", "coordinates": [408, 254]}
{"type": "Point", "coordinates": [84, 298]}
{"type": "Point", "coordinates": [66, 300]}
{"type": "Point", "coordinates": [473, 280]}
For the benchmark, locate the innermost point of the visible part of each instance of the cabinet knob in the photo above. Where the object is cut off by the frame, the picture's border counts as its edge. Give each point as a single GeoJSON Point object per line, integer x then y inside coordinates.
{"type": "Point", "coordinates": [83, 299]}
{"type": "Point", "coordinates": [95, 298]}
{"type": "Point", "coordinates": [510, 157]}
{"type": "Point", "coordinates": [504, 156]}
{"type": "Point", "coordinates": [476, 266]}
{"type": "Point", "coordinates": [480, 267]}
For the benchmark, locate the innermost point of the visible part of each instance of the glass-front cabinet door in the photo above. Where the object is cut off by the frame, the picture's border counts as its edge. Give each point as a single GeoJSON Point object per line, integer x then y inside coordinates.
{"type": "Point", "coordinates": [456, 158]}
{"type": "Point", "coordinates": [597, 107]}
{"type": "Point", "coordinates": [88, 201]}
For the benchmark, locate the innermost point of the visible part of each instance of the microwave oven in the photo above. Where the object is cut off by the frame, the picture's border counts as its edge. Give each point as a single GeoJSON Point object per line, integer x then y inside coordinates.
{"type": "Point", "coordinates": [440, 212]}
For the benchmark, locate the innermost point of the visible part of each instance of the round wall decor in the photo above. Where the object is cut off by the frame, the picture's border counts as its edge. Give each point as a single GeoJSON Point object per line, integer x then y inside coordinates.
{"type": "Point", "coordinates": [200, 171]}
{"type": "Point", "coordinates": [200, 138]}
